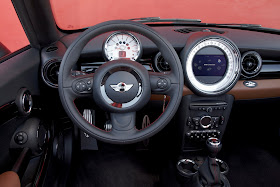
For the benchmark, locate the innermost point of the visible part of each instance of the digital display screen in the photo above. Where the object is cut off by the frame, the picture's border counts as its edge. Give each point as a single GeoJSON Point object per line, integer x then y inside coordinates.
{"type": "Point", "coordinates": [122, 54]}
{"type": "Point", "coordinates": [209, 65]}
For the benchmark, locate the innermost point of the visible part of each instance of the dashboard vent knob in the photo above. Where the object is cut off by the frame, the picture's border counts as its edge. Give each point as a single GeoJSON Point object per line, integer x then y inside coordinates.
{"type": "Point", "coordinates": [160, 64]}
{"type": "Point", "coordinates": [50, 72]}
{"type": "Point", "coordinates": [251, 64]}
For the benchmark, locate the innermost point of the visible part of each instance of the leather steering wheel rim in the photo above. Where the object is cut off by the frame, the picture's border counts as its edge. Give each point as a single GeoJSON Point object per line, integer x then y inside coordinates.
{"type": "Point", "coordinates": [175, 77]}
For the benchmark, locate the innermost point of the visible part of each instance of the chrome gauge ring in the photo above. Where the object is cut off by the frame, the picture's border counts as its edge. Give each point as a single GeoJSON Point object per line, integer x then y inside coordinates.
{"type": "Point", "coordinates": [231, 71]}
{"type": "Point", "coordinates": [120, 45]}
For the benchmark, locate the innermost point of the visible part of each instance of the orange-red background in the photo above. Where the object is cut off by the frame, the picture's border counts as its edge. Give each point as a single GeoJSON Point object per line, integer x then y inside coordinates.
{"type": "Point", "coordinates": [11, 32]}
{"type": "Point", "coordinates": [72, 14]}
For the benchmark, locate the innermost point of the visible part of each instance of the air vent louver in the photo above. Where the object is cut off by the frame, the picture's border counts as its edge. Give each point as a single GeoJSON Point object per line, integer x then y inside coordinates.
{"type": "Point", "coordinates": [198, 29]}
{"type": "Point", "coordinates": [51, 48]}
{"type": "Point", "coordinates": [50, 72]}
{"type": "Point", "coordinates": [160, 64]}
{"type": "Point", "coordinates": [251, 64]}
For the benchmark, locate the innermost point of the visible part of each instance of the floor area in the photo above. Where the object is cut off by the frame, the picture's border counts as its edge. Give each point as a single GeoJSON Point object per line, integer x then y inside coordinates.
{"type": "Point", "coordinates": [111, 167]}
{"type": "Point", "coordinates": [250, 165]}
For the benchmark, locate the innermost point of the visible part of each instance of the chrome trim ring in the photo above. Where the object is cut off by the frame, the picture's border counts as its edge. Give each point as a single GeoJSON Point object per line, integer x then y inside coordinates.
{"type": "Point", "coordinates": [214, 142]}
{"type": "Point", "coordinates": [124, 105]}
{"type": "Point", "coordinates": [26, 97]}
{"type": "Point", "coordinates": [127, 104]}
{"type": "Point", "coordinates": [257, 70]}
{"type": "Point", "coordinates": [205, 126]}
{"type": "Point", "coordinates": [233, 66]}
{"type": "Point", "coordinates": [185, 161]}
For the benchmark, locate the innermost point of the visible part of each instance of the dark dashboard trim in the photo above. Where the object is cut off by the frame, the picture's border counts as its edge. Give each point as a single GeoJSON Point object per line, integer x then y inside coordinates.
{"type": "Point", "coordinates": [11, 55]}
{"type": "Point", "coordinates": [255, 29]}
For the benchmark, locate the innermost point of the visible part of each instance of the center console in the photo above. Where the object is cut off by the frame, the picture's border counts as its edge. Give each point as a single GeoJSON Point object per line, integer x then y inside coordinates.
{"type": "Point", "coordinates": [202, 117]}
{"type": "Point", "coordinates": [212, 66]}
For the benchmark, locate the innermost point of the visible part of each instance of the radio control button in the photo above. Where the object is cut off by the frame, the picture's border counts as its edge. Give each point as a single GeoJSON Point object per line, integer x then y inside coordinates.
{"type": "Point", "coordinates": [209, 109]}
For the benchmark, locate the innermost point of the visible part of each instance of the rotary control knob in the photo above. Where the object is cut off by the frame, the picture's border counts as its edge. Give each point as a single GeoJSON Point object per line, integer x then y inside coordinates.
{"type": "Point", "coordinates": [205, 121]}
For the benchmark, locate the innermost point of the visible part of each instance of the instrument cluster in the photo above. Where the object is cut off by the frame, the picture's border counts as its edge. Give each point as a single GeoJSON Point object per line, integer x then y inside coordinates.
{"type": "Point", "coordinates": [121, 45]}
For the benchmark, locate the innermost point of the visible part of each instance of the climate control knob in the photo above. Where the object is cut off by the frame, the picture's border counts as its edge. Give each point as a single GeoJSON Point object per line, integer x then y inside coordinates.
{"type": "Point", "coordinates": [205, 121]}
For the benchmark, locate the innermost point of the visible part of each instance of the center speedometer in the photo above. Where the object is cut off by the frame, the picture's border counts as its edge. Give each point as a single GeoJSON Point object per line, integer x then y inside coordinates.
{"type": "Point", "coordinates": [122, 45]}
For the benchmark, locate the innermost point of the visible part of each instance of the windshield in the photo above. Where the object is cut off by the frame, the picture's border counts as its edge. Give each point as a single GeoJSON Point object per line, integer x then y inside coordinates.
{"type": "Point", "coordinates": [74, 14]}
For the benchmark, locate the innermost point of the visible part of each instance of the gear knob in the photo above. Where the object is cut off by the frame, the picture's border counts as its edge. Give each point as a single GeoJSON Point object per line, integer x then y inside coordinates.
{"type": "Point", "coordinates": [214, 146]}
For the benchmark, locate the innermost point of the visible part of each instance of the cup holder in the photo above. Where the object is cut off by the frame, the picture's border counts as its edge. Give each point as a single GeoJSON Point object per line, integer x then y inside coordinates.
{"type": "Point", "coordinates": [223, 166]}
{"type": "Point", "coordinates": [186, 168]}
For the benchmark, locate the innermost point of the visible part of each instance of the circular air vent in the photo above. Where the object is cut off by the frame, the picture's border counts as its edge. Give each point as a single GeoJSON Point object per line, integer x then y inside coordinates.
{"type": "Point", "coordinates": [251, 64]}
{"type": "Point", "coordinates": [160, 64]}
{"type": "Point", "coordinates": [50, 72]}
{"type": "Point", "coordinates": [24, 101]}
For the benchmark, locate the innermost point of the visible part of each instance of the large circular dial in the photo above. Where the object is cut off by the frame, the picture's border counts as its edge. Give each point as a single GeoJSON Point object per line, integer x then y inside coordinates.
{"type": "Point", "coordinates": [212, 65]}
{"type": "Point", "coordinates": [122, 45]}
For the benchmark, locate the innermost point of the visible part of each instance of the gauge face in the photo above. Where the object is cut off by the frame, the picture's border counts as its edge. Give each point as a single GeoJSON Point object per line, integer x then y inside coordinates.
{"type": "Point", "coordinates": [122, 45]}
{"type": "Point", "coordinates": [209, 65]}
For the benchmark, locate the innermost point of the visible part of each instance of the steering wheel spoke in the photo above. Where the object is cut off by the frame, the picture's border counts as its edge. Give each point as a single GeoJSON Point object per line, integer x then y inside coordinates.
{"type": "Point", "coordinates": [81, 86]}
{"type": "Point", "coordinates": [123, 122]}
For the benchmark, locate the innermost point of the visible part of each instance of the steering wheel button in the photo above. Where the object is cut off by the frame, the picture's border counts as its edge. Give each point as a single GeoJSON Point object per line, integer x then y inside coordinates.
{"type": "Point", "coordinates": [83, 87]}
{"type": "Point", "coordinates": [78, 87]}
{"type": "Point", "coordinates": [162, 83]}
{"type": "Point", "coordinates": [20, 137]}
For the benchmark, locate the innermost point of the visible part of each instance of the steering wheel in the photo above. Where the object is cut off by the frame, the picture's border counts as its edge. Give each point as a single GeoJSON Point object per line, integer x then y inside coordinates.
{"type": "Point", "coordinates": [120, 87]}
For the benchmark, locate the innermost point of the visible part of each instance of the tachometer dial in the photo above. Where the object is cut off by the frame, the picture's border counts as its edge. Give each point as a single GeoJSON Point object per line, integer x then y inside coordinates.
{"type": "Point", "coordinates": [122, 45]}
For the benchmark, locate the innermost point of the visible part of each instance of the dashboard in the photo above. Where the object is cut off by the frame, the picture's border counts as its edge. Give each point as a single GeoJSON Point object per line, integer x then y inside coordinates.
{"type": "Point", "coordinates": [215, 60]}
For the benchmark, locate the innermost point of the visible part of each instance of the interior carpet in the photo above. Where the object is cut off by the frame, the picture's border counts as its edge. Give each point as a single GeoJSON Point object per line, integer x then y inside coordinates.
{"type": "Point", "coordinates": [115, 168]}
{"type": "Point", "coordinates": [251, 165]}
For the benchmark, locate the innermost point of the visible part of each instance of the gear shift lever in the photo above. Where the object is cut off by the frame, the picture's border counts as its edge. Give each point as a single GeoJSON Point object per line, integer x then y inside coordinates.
{"type": "Point", "coordinates": [214, 146]}
{"type": "Point", "coordinates": [209, 172]}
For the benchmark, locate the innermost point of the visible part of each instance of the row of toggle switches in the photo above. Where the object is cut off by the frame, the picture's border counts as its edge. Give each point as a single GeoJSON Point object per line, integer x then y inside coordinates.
{"type": "Point", "coordinates": [202, 135]}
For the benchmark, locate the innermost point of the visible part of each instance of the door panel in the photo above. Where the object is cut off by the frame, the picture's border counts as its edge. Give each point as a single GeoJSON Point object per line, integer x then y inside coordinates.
{"type": "Point", "coordinates": [17, 72]}
{"type": "Point", "coordinates": [20, 71]}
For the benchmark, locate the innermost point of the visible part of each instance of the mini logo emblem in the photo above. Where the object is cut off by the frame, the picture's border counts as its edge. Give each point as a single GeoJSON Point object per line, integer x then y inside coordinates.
{"type": "Point", "coordinates": [250, 84]}
{"type": "Point", "coordinates": [121, 87]}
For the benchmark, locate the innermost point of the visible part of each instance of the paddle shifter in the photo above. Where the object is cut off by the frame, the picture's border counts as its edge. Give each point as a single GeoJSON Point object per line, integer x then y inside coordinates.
{"type": "Point", "coordinates": [209, 172]}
